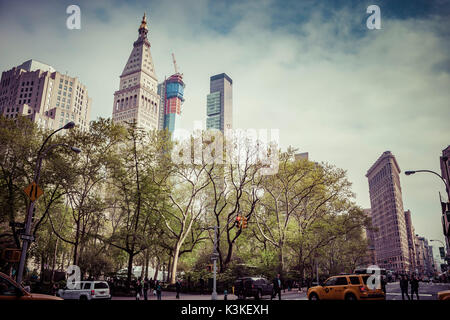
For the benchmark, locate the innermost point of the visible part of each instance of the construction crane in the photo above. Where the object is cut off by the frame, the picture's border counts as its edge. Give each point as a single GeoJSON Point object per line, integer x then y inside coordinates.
{"type": "Point", "coordinates": [174, 63]}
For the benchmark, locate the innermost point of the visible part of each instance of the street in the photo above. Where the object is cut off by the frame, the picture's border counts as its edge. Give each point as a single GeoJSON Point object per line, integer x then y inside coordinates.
{"type": "Point", "coordinates": [427, 291]}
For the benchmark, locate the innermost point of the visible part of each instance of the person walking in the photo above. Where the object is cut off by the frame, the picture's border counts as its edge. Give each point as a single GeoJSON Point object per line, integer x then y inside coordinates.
{"type": "Point", "coordinates": [404, 287]}
{"type": "Point", "coordinates": [383, 284]}
{"type": "Point", "coordinates": [414, 287]}
{"type": "Point", "coordinates": [152, 284]}
{"type": "Point", "coordinates": [202, 285]}
{"type": "Point", "coordinates": [146, 285]}
{"type": "Point", "coordinates": [276, 287]}
{"type": "Point", "coordinates": [138, 289]}
{"type": "Point", "coordinates": [158, 289]}
{"type": "Point", "coordinates": [178, 288]}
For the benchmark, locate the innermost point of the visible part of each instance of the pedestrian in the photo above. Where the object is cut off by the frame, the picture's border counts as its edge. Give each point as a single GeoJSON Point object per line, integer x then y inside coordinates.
{"type": "Point", "coordinates": [383, 284]}
{"type": "Point", "coordinates": [27, 286]}
{"type": "Point", "coordinates": [152, 284]}
{"type": "Point", "coordinates": [202, 284]}
{"type": "Point", "coordinates": [158, 290]}
{"type": "Point", "coordinates": [138, 289]}
{"type": "Point", "coordinates": [276, 287]}
{"type": "Point", "coordinates": [146, 289]}
{"type": "Point", "coordinates": [54, 289]}
{"type": "Point", "coordinates": [414, 287]}
{"type": "Point", "coordinates": [178, 288]}
{"type": "Point", "coordinates": [404, 287]}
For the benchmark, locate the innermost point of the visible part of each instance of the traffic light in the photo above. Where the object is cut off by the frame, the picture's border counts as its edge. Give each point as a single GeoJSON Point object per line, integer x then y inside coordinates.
{"type": "Point", "coordinates": [442, 252]}
{"type": "Point", "coordinates": [238, 222]}
{"type": "Point", "coordinates": [11, 254]}
{"type": "Point", "coordinates": [244, 222]}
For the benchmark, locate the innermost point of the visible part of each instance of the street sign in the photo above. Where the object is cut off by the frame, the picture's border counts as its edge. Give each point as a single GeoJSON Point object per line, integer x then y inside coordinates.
{"type": "Point", "coordinates": [17, 224]}
{"type": "Point", "coordinates": [215, 256]}
{"type": "Point", "coordinates": [27, 237]}
{"type": "Point", "coordinates": [33, 191]}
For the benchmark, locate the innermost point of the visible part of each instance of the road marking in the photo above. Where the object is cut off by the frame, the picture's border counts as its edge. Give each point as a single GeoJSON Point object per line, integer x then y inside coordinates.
{"type": "Point", "coordinates": [399, 294]}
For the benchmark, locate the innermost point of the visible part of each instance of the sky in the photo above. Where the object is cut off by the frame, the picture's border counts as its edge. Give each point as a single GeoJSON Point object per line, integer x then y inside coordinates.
{"type": "Point", "coordinates": [312, 69]}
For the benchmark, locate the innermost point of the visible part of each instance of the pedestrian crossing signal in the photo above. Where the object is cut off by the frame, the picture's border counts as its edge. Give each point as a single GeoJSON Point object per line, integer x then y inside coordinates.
{"type": "Point", "coordinates": [11, 255]}
{"type": "Point", "coordinates": [209, 268]}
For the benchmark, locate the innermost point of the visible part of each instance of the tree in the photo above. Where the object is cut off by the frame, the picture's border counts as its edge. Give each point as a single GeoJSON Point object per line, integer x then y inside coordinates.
{"type": "Point", "coordinates": [137, 186]}
{"type": "Point", "coordinates": [83, 177]}
{"type": "Point", "coordinates": [234, 189]}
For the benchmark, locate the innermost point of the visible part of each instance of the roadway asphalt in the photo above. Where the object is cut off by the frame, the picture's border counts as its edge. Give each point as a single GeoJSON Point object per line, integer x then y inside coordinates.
{"type": "Point", "coordinates": [427, 291]}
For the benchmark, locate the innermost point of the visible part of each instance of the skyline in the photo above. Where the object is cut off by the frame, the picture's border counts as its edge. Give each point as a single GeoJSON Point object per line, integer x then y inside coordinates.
{"type": "Point", "coordinates": [283, 69]}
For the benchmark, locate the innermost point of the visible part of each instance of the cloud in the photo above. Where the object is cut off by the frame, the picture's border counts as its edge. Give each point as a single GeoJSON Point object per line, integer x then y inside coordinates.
{"type": "Point", "coordinates": [335, 89]}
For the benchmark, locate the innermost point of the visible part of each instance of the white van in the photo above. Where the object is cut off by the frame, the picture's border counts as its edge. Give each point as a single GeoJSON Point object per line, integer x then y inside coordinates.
{"type": "Point", "coordinates": [86, 290]}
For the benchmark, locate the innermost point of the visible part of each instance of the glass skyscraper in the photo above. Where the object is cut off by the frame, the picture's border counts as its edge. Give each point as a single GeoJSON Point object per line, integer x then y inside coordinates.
{"type": "Point", "coordinates": [219, 103]}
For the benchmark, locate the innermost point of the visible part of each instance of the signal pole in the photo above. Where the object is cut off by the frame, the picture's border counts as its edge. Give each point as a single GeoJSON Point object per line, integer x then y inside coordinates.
{"type": "Point", "coordinates": [214, 258]}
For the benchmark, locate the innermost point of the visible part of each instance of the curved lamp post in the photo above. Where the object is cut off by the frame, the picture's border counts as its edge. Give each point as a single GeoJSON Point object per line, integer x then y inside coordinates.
{"type": "Point", "coordinates": [41, 154]}
{"type": "Point", "coordinates": [410, 172]}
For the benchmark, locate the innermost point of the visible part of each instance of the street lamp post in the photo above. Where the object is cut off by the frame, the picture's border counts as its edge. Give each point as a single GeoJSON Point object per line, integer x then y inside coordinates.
{"type": "Point", "coordinates": [37, 173]}
{"type": "Point", "coordinates": [214, 258]}
{"type": "Point", "coordinates": [446, 183]}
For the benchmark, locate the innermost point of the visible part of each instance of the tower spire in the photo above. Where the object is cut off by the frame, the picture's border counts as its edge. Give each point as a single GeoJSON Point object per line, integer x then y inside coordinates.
{"type": "Point", "coordinates": [144, 22]}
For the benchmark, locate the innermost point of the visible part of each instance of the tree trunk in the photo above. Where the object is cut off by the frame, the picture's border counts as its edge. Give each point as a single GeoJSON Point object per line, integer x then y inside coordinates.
{"type": "Point", "coordinates": [147, 253]}
{"type": "Point", "coordinates": [55, 254]}
{"type": "Point", "coordinates": [42, 267]}
{"type": "Point", "coordinates": [280, 259]}
{"type": "Point", "coordinates": [173, 271]}
{"type": "Point", "coordinates": [155, 276]}
{"type": "Point", "coordinates": [130, 268]}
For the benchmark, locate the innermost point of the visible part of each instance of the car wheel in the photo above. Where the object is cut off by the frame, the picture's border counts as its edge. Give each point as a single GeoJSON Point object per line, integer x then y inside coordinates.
{"type": "Point", "coordinates": [350, 297]}
{"type": "Point", "coordinates": [313, 296]}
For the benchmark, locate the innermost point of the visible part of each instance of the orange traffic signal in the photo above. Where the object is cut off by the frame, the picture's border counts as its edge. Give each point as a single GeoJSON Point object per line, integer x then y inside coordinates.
{"type": "Point", "coordinates": [238, 222]}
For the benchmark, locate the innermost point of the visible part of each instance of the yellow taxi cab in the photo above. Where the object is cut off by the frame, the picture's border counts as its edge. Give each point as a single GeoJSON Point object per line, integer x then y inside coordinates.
{"type": "Point", "coordinates": [11, 290]}
{"type": "Point", "coordinates": [346, 287]}
{"type": "Point", "coordinates": [444, 295]}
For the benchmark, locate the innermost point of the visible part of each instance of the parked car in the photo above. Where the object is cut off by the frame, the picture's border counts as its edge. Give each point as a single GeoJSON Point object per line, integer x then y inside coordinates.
{"type": "Point", "coordinates": [444, 295]}
{"type": "Point", "coordinates": [11, 290]}
{"type": "Point", "coordinates": [86, 290]}
{"type": "Point", "coordinates": [252, 287]}
{"type": "Point", "coordinates": [346, 287]}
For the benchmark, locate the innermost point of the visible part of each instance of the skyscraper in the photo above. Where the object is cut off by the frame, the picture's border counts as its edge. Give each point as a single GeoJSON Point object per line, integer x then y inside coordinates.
{"type": "Point", "coordinates": [137, 99]}
{"type": "Point", "coordinates": [425, 261]}
{"type": "Point", "coordinates": [50, 99]}
{"type": "Point", "coordinates": [171, 92]}
{"type": "Point", "coordinates": [445, 173]}
{"type": "Point", "coordinates": [219, 105]}
{"type": "Point", "coordinates": [410, 232]}
{"type": "Point", "coordinates": [391, 240]}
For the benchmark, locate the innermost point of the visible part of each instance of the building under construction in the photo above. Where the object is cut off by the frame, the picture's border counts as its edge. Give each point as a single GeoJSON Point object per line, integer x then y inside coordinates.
{"type": "Point", "coordinates": [171, 92]}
